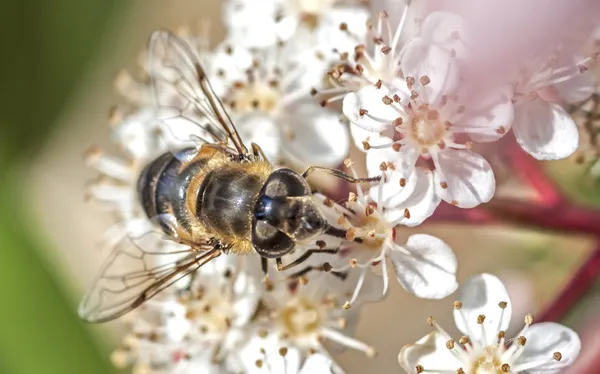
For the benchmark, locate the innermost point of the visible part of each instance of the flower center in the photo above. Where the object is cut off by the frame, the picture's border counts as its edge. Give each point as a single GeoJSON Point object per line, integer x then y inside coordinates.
{"type": "Point", "coordinates": [300, 317]}
{"type": "Point", "coordinates": [213, 314]}
{"type": "Point", "coordinates": [256, 96]}
{"type": "Point", "coordinates": [426, 128]}
{"type": "Point", "coordinates": [314, 8]}
{"type": "Point", "coordinates": [488, 362]}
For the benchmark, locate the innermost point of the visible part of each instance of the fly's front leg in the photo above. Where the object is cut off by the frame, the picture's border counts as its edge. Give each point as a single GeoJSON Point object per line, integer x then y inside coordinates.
{"type": "Point", "coordinates": [338, 174]}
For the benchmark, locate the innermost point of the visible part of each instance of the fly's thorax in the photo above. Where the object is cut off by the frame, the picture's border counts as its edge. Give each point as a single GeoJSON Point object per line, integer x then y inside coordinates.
{"type": "Point", "coordinates": [226, 200]}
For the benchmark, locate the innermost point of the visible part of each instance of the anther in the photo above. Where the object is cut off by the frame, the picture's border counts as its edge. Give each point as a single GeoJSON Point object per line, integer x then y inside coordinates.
{"type": "Point", "coordinates": [430, 321]}
{"type": "Point", "coordinates": [369, 210]}
{"type": "Point", "coordinates": [348, 162]}
{"type": "Point", "coordinates": [406, 213]}
{"type": "Point", "coordinates": [480, 319]}
{"type": "Point", "coordinates": [410, 82]}
{"type": "Point", "coordinates": [460, 371]}
{"type": "Point", "coordinates": [351, 234]}
{"type": "Point", "coordinates": [386, 49]}
{"type": "Point", "coordinates": [506, 368]}
{"type": "Point", "coordinates": [444, 185]}
{"type": "Point", "coordinates": [503, 304]}
{"type": "Point", "coordinates": [414, 94]}
{"type": "Point", "coordinates": [371, 352]}
{"type": "Point", "coordinates": [387, 100]}
{"type": "Point", "coordinates": [463, 340]}
{"type": "Point", "coordinates": [402, 181]}
{"type": "Point", "coordinates": [352, 197]}
{"type": "Point", "coordinates": [521, 340]}
{"type": "Point", "coordinates": [528, 319]}
{"type": "Point", "coordinates": [259, 363]}
{"type": "Point", "coordinates": [362, 112]}
{"type": "Point", "coordinates": [321, 244]}
{"type": "Point", "coordinates": [283, 351]}
{"type": "Point", "coordinates": [327, 267]}
{"type": "Point", "coordinates": [557, 356]}
{"type": "Point", "coordinates": [425, 80]}
{"type": "Point", "coordinates": [346, 305]}
{"type": "Point", "coordinates": [383, 166]}
{"type": "Point", "coordinates": [419, 369]}
{"type": "Point", "coordinates": [383, 14]}
{"type": "Point", "coordinates": [313, 91]}
{"type": "Point", "coordinates": [501, 130]}
{"type": "Point", "coordinates": [343, 26]}
{"type": "Point", "coordinates": [353, 262]}
{"type": "Point", "coordinates": [501, 334]}
{"type": "Point", "coordinates": [397, 122]}
{"type": "Point", "coordinates": [366, 145]}
{"type": "Point", "coordinates": [378, 84]}
{"type": "Point", "coordinates": [457, 305]}
{"type": "Point", "coordinates": [450, 344]}
{"type": "Point", "coordinates": [328, 202]}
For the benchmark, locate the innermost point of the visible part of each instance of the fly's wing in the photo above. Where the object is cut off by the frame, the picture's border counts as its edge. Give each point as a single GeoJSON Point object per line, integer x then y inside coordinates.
{"type": "Point", "coordinates": [138, 268]}
{"type": "Point", "coordinates": [186, 104]}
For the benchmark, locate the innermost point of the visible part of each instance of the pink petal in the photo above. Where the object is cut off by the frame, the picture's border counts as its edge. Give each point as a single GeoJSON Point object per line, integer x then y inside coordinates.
{"type": "Point", "coordinates": [545, 131]}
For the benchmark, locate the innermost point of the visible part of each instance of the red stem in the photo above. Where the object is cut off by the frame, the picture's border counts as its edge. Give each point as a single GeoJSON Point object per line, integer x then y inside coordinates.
{"type": "Point", "coordinates": [577, 287]}
{"type": "Point", "coordinates": [531, 170]}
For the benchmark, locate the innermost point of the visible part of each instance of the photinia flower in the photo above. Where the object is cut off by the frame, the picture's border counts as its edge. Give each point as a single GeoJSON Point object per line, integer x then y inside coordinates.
{"type": "Point", "coordinates": [194, 328]}
{"type": "Point", "coordinates": [424, 265]}
{"type": "Point", "coordinates": [267, 94]}
{"type": "Point", "coordinates": [268, 355]}
{"type": "Point", "coordinates": [483, 312]}
{"type": "Point", "coordinates": [542, 126]}
{"type": "Point", "coordinates": [311, 25]}
{"type": "Point", "coordinates": [303, 314]}
{"type": "Point", "coordinates": [423, 119]}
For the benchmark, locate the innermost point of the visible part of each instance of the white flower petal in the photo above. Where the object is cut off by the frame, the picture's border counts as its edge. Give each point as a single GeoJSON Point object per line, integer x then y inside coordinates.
{"type": "Point", "coordinates": [545, 131]}
{"type": "Point", "coordinates": [543, 340]}
{"type": "Point", "coordinates": [403, 161]}
{"type": "Point", "coordinates": [464, 178]}
{"type": "Point", "coordinates": [262, 130]}
{"type": "Point", "coordinates": [491, 116]}
{"type": "Point", "coordinates": [428, 270]}
{"type": "Point", "coordinates": [431, 353]}
{"type": "Point", "coordinates": [315, 136]}
{"type": "Point", "coordinates": [317, 363]}
{"type": "Point", "coordinates": [578, 88]}
{"type": "Point", "coordinates": [419, 205]}
{"type": "Point", "coordinates": [423, 59]}
{"type": "Point", "coordinates": [447, 30]}
{"type": "Point", "coordinates": [481, 295]}
{"type": "Point", "coordinates": [378, 116]}
{"type": "Point", "coordinates": [389, 192]}
{"type": "Point", "coordinates": [360, 135]}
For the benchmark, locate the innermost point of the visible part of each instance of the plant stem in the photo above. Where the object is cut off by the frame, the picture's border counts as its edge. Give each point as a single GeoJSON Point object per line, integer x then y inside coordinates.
{"type": "Point", "coordinates": [577, 287]}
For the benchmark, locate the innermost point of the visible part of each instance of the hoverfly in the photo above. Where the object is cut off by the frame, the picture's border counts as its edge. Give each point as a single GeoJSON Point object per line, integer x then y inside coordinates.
{"type": "Point", "coordinates": [214, 199]}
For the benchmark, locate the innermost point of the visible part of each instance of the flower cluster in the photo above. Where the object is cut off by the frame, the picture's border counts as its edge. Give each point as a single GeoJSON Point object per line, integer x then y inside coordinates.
{"type": "Point", "coordinates": [304, 79]}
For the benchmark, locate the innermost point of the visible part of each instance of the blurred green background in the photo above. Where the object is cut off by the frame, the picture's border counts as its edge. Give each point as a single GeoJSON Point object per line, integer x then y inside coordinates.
{"type": "Point", "coordinates": [49, 49]}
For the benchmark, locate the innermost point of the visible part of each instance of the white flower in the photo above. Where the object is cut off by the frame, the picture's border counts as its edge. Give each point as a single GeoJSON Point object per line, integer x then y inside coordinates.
{"type": "Point", "coordinates": [198, 327]}
{"type": "Point", "coordinates": [541, 126]}
{"type": "Point", "coordinates": [483, 313]}
{"type": "Point", "coordinates": [373, 58]}
{"type": "Point", "coordinates": [268, 355]}
{"type": "Point", "coordinates": [301, 315]}
{"type": "Point", "coordinates": [311, 25]}
{"type": "Point", "coordinates": [420, 120]}
{"type": "Point", "coordinates": [425, 266]}
{"type": "Point", "coordinates": [267, 93]}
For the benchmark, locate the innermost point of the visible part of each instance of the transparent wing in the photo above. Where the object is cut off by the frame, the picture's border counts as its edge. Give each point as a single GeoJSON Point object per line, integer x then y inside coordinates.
{"type": "Point", "coordinates": [184, 97]}
{"type": "Point", "coordinates": [138, 268]}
